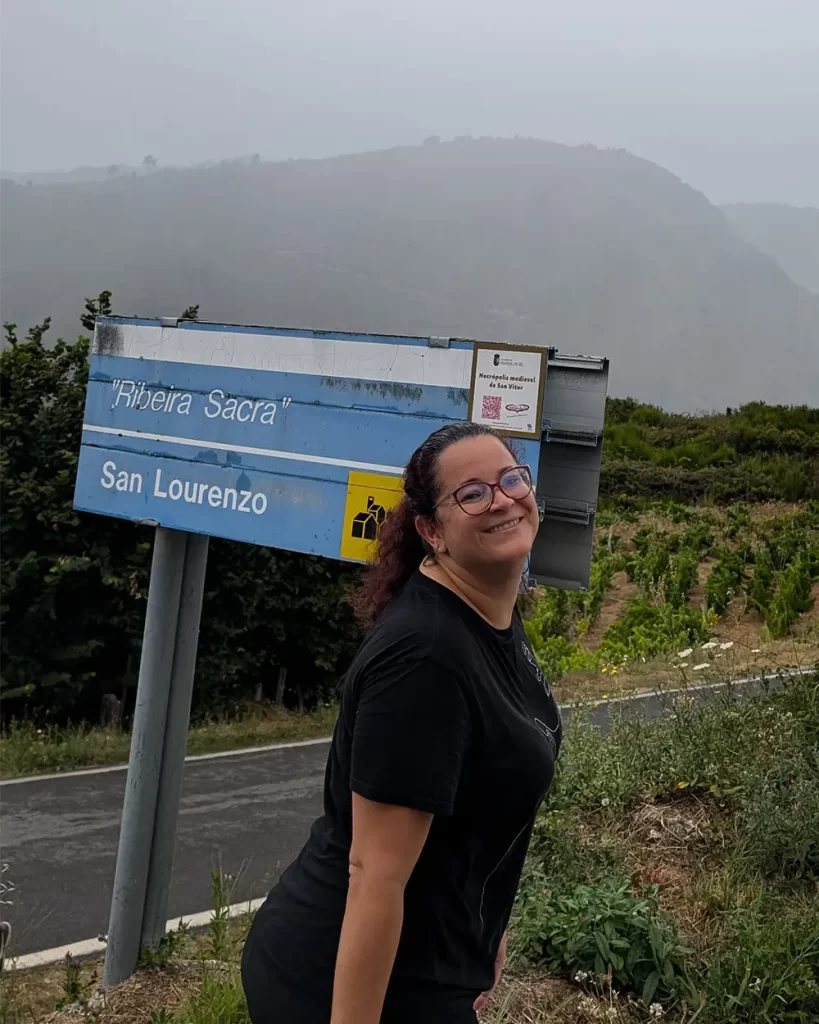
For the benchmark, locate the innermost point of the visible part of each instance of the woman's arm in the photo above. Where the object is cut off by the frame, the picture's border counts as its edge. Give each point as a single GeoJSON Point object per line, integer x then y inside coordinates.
{"type": "Point", "coordinates": [386, 844]}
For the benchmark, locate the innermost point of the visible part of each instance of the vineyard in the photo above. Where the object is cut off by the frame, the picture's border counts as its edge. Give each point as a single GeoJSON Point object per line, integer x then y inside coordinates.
{"type": "Point", "coordinates": [676, 589]}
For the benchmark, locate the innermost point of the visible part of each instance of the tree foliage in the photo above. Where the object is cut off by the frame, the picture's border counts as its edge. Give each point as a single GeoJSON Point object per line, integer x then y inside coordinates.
{"type": "Point", "coordinates": [74, 584]}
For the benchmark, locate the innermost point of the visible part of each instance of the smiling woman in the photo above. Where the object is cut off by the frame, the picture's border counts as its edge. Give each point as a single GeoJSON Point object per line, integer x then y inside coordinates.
{"type": "Point", "coordinates": [396, 909]}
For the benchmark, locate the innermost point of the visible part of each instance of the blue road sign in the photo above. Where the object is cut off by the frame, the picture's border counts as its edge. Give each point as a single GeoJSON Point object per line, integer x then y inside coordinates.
{"type": "Point", "coordinates": [267, 436]}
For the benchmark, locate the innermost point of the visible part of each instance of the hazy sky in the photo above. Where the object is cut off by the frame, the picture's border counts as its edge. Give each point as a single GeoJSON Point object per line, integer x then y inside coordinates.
{"type": "Point", "coordinates": [725, 93]}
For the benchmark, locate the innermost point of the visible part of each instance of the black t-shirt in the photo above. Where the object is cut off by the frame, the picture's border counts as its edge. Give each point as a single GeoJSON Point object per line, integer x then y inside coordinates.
{"type": "Point", "coordinates": [442, 713]}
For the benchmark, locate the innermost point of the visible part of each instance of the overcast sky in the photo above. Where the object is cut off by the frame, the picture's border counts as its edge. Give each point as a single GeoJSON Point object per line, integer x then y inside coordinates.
{"type": "Point", "coordinates": [725, 93]}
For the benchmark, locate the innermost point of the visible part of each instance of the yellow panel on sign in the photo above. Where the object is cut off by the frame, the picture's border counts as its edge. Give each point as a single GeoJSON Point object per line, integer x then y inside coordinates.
{"type": "Point", "coordinates": [370, 496]}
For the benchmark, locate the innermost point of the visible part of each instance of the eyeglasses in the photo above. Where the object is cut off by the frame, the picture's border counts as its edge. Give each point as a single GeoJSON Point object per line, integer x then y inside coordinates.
{"type": "Point", "coordinates": [476, 497]}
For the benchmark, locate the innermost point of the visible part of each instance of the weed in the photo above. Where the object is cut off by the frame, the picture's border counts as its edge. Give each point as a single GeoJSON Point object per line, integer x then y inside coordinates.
{"type": "Point", "coordinates": [158, 956]}
{"type": "Point", "coordinates": [219, 1000]}
{"type": "Point", "coordinates": [74, 988]}
{"type": "Point", "coordinates": [219, 927]}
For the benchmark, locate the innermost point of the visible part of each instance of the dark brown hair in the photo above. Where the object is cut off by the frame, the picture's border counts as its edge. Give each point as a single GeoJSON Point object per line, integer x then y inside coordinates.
{"type": "Point", "coordinates": [400, 548]}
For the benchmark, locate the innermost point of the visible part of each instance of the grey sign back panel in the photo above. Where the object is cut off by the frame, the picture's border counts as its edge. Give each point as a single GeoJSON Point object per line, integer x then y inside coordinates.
{"type": "Point", "coordinates": [568, 476]}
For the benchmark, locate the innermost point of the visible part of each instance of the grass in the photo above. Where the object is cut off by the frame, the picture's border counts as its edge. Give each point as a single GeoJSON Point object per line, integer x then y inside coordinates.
{"type": "Point", "coordinates": [672, 875]}
{"type": "Point", "coordinates": [28, 750]}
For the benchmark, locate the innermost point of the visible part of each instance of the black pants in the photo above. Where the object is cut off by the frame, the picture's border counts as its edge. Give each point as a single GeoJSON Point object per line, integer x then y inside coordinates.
{"type": "Point", "coordinates": [272, 999]}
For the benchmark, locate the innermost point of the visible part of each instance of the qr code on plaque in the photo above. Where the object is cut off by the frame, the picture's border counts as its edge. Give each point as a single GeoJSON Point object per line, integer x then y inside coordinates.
{"type": "Point", "coordinates": [490, 407]}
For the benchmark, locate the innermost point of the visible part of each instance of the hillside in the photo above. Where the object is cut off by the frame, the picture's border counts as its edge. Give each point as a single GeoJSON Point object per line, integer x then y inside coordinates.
{"type": "Point", "coordinates": [788, 233]}
{"type": "Point", "coordinates": [590, 250]}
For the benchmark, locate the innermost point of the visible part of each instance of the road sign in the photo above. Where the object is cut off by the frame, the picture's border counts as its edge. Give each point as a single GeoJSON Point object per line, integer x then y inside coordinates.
{"type": "Point", "coordinates": [252, 434]}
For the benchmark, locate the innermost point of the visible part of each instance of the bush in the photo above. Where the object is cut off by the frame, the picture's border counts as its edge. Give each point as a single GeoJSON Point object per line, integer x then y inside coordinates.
{"type": "Point", "coordinates": [594, 929]}
{"type": "Point", "coordinates": [74, 585]}
{"type": "Point", "coordinates": [792, 596]}
{"type": "Point", "coordinates": [725, 580]}
{"type": "Point", "coordinates": [648, 629]}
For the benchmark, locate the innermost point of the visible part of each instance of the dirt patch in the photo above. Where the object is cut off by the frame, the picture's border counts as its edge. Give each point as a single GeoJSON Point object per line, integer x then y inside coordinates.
{"type": "Point", "coordinates": [32, 995]}
{"type": "Point", "coordinates": [134, 1000]}
{"type": "Point", "coordinates": [668, 845]}
{"type": "Point", "coordinates": [532, 999]}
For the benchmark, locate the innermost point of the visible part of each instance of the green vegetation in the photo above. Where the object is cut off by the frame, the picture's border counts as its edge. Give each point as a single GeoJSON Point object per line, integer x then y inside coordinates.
{"type": "Point", "coordinates": [680, 856]}
{"type": "Point", "coordinates": [758, 452]}
{"type": "Point", "coordinates": [27, 749]}
{"type": "Point", "coordinates": [770, 565]}
{"type": "Point", "coordinates": [74, 585]}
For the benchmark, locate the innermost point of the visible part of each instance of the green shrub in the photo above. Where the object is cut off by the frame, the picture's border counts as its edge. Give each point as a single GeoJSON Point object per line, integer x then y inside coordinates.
{"type": "Point", "coordinates": [593, 929]}
{"type": "Point", "coordinates": [73, 585]}
{"type": "Point", "coordinates": [791, 597]}
{"type": "Point", "coordinates": [648, 629]}
{"type": "Point", "coordinates": [726, 579]}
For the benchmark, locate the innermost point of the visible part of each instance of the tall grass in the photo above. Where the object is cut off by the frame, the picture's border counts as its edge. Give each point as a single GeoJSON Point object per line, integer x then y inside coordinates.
{"type": "Point", "coordinates": [26, 749]}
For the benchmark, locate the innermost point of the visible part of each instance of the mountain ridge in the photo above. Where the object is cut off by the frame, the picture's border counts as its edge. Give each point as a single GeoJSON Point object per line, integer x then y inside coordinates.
{"type": "Point", "coordinates": [587, 249]}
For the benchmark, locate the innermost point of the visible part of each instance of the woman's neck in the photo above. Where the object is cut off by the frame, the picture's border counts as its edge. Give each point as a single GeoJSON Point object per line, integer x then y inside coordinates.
{"type": "Point", "coordinates": [493, 601]}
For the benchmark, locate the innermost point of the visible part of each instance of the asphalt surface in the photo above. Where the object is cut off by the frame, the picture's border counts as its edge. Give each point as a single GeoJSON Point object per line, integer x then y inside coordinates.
{"type": "Point", "coordinates": [250, 812]}
{"type": "Point", "coordinates": [59, 837]}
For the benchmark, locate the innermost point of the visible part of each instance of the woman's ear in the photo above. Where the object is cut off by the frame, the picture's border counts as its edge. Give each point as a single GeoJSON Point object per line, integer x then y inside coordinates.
{"type": "Point", "coordinates": [428, 531]}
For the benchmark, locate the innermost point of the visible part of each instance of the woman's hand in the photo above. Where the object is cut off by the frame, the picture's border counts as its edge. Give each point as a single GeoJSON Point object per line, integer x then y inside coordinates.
{"type": "Point", "coordinates": [484, 997]}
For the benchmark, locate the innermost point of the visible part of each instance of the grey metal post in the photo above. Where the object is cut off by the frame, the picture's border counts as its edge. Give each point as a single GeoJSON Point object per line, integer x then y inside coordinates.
{"type": "Point", "coordinates": [176, 737]}
{"type": "Point", "coordinates": [139, 807]}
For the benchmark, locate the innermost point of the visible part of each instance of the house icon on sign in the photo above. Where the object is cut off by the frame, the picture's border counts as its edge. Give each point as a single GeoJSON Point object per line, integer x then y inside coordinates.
{"type": "Point", "coordinates": [367, 524]}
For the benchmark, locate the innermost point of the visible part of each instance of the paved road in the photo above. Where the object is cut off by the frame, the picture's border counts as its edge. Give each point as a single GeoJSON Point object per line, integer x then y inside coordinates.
{"type": "Point", "coordinates": [59, 836]}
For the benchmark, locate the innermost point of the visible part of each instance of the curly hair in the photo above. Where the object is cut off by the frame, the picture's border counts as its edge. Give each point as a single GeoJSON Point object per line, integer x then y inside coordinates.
{"type": "Point", "coordinates": [400, 547]}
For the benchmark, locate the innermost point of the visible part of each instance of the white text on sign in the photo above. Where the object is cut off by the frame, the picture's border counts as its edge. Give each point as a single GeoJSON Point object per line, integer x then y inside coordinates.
{"type": "Point", "coordinates": [179, 489]}
{"type": "Point", "coordinates": [133, 394]}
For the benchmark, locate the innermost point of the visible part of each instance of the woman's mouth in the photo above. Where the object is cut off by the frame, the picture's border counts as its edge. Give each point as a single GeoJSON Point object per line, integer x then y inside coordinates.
{"type": "Point", "coordinates": [502, 527]}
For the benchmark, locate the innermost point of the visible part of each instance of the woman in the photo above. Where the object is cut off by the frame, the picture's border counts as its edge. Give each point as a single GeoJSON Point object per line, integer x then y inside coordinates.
{"type": "Point", "coordinates": [396, 909]}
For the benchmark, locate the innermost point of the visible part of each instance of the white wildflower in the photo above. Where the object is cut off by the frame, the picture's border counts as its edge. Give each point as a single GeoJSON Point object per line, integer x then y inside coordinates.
{"type": "Point", "coordinates": [605, 801]}
{"type": "Point", "coordinates": [581, 976]}
{"type": "Point", "coordinates": [655, 1010]}
{"type": "Point", "coordinates": [701, 666]}
{"type": "Point", "coordinates": [755, 985]}
{"type": "Point", "coordinates": [710, 645]}
{"type": "Point", "coordinates": [686, 653]}
{"type": "Point", "coordinates": [727, 645]}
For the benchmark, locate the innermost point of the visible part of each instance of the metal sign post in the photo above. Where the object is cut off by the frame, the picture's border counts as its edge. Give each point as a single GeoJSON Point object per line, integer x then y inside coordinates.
{"type": "Point", "coordinates": [292, 439]}
{"type": "Point", "coordinates": [176, 740]}
{"type": "Point", "coordinates": [145, 762]}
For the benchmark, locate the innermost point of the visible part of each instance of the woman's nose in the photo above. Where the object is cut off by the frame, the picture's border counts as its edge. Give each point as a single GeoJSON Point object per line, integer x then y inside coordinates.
{"type": "Point", "coordinates": [500, 501]}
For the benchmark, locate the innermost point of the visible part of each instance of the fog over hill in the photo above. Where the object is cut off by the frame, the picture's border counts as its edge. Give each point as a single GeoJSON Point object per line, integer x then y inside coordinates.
{"type": "Point", "coordinates": [590, 250]}
{"type": "Point", "coordinates": [788, 233]}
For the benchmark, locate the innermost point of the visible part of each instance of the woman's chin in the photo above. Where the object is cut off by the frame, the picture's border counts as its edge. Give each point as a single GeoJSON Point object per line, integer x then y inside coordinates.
{"type": "Point", "coordinates": [510, 547]}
